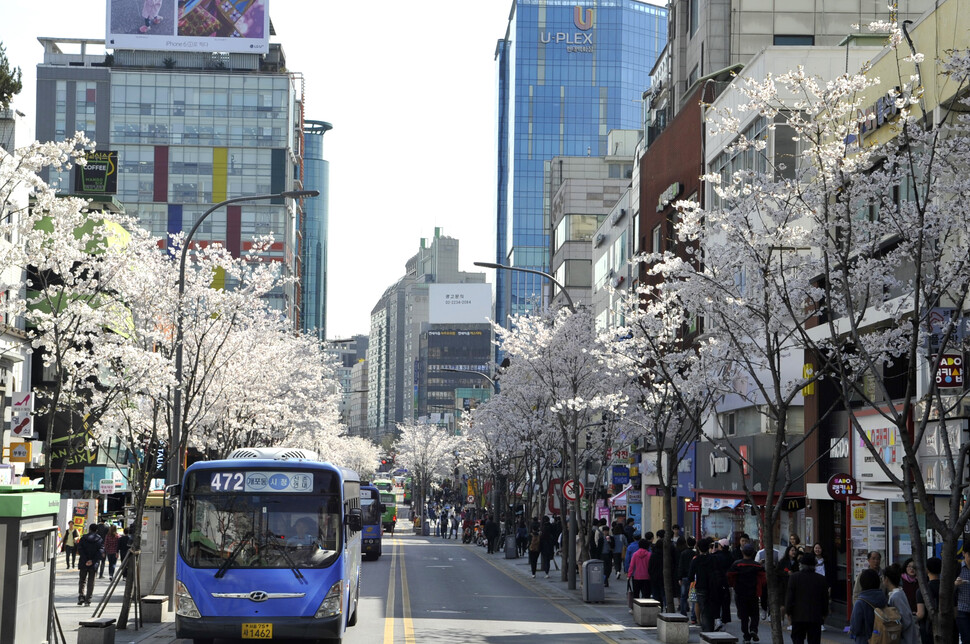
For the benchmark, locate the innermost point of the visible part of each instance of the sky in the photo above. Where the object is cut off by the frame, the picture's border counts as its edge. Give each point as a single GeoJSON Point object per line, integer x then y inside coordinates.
{"type": "Point", "coordinates": [410, 90]}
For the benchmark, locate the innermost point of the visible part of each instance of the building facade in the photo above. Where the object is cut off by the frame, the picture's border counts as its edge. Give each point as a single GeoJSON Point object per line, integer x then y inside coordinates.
{"type": "Point", "coordinates": [191, 129]}
{"type": "Point", "coordinates": [313, 229]}
{"type": "Point", "coordinates": [567, 75]}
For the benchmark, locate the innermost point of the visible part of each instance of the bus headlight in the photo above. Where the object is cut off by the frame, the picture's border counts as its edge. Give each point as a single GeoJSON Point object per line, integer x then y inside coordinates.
{"type": "Point", "coordinates": [184, 604]}
{"type": "Point", "coordinates": [333, 603]}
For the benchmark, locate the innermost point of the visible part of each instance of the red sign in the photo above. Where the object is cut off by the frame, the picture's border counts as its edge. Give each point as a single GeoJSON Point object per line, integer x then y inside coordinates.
{"type": "Point", "coordinates": [842, 486]}
{"type": "Point", "coordinates": [693, 506]}
{"type": "Point", "coordinates": [572, 490]}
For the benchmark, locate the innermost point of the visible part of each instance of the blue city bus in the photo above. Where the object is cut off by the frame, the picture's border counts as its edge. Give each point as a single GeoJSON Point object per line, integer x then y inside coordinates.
{"type": "Point", "coordinates": [370, 511]}
{"type": "Point", "coordinates": [268, 548]}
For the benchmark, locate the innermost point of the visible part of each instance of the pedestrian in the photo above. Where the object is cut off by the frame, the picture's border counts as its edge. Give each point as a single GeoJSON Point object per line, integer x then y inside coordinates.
{"type": "Point", "coordinates": [630, 530]}
{"type": "Point", "coordinates": [736, 551]}
{"type": "Point", "coordinates": [909, 583]}
{"type": "Point", "coordinates": [748, 580]}
{"type": "Point", "coordinates": [863, 611]}
{"type": "Point", "coordinates": [793, 540]}
{"type": "Point", "coordinates": [658, 554]}
{"type": "Point", "coordinates": [535, 547]}
{"type": "Point", "coordinates": [443, 528]}
{"type": "Point", "coordinates": [111, 549]}
{"type": "Point", "coordinates": [454, 525]}
{"type": "Point", "coordinates": [923, 605]}
{"type": "Point", "coordinates": [547, 545]}
{"type": "Point", "coordinates": [703, 575]}
{"type": "Point", "coordinates": [90, 550]}
{"type": "Point", "coordinates": [639, 571]}
{"type": "Point", "coordinates": [124, 545]}
{"type": "Point", "coordinates": [875, 559]}
{"type": "Point", "coordinates": [607, 554]}
{"type": "Point", "coordinates": [491, 534]}
{"type": "Point", "coordinates": [807, 602]}
{"type": "Point", "coordinates": [683, 567]}
{"type": "Point", "coordinates": [595, 541]}
{"type": "Point", "coordinates": [69, 545]}
{"type": "Point", "coordinates": [620, 545]}
{"type": "Point", "coordinates": [103, 533]}
{"type": "Point", "coordinates": [962, 584]}
{"type": "Point", "coordinates": [823, 567]}
{"type": "Point", "coordinates": [723, 599]}
{"type": "Point", "coordinates": [521, 538]}
{"type": "Point", "coordinates": [892, 578]}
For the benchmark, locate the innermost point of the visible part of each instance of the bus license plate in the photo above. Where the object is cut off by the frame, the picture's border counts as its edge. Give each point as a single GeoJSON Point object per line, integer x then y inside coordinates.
{"type": "Point", "coordinates": [257, 631]}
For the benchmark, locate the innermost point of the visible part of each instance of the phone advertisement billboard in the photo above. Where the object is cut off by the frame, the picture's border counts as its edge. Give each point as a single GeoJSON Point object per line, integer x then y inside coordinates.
{"type": "Point", "coordinates": [238, 26]}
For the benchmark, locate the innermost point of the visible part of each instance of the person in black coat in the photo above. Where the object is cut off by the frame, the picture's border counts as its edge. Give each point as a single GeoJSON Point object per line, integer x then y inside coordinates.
{"type": "Point", "coordinates": [491, 534]}
{"type": "Point", "coordinates": [807, 602]}
{"type": "Point", "coordinates": [90, 554]}
{"type": "Point", "coordinates": [655, 567]}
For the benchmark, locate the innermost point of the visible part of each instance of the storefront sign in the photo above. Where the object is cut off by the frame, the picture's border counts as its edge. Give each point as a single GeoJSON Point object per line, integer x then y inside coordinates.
{"type": "Point", "coordinates": [807, 372]}
{"type": "Point", "coordinates": [668, 195]}
{"type": "Point", "coordinates": [884, 437]}
{"type": "Point", "coordinates": [839, 447]}
{"type": "Point", "coordinates": [621, 475]}
{"type": "Point", "coordinates": [949, 371]}
{"type": "Point", "coordinates": [719, 464]}
{"type": "Point", "coordinates": [842, 486]}
{"type": "Point", "coordinates": [692, 506]}
{"type": "Point", "coordinates": [633, 496]}
{"type": "Point", "coordinates": [793, 504]}
{"type": "Point", "coordinates": [99, 175]}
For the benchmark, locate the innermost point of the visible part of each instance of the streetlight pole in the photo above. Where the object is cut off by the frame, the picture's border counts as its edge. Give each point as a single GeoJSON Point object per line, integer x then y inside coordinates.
{"type": "Point", "coordinates": [175, 445]}
{"type": "Point", "coordinates": [519, 269]}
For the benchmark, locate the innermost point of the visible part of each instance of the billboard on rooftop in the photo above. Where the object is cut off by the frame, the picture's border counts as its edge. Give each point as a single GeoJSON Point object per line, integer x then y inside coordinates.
{"type": "Point", "coordinates": [239, 26]}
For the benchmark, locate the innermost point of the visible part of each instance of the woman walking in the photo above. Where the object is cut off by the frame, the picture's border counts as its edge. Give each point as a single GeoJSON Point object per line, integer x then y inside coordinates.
{"type": "Point", "coordinates": [111, 549]}
{"type": "Point", "coordinates": [69, 545]}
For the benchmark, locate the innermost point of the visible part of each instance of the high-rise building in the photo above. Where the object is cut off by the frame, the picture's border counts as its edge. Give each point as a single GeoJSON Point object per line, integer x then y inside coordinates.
{"type": "Point", "coordinates": [313, 253]}
{"type": "Point", "coordinates": [568, 73]}
{"type": "Point", "coordinates": [422, 324]}
{"type": "Point", "coordinates": [191, 129]}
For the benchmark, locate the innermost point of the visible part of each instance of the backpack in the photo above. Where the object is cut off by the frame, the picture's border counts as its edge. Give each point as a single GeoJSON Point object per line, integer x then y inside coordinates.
{"type": "Point", "coordinates": [887, 625]}
{"type": "Point", "coordinates": [534, 543]}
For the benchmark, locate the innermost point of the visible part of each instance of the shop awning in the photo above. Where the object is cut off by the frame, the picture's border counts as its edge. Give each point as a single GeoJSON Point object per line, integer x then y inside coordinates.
{"type": "Point", "coordinates": [620, 499]}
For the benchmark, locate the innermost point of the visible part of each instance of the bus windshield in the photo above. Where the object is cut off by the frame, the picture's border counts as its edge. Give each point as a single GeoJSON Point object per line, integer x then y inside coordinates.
{"type": "Point", "coordinates": [279, 529]}
{"type": "Point", "coordinates": [370, 511]}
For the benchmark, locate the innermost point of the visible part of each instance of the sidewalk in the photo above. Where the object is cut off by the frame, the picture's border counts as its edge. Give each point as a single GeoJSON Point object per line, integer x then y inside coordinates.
{"type": "Point", "coordinates": [612, 617]}
{"type": "Point", "coordinates": [70, 614]}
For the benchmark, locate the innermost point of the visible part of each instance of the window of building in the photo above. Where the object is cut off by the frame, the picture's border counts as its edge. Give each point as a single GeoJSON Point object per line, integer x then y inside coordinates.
{"type": "Point", "coordinates": [693, 16]}
{"type": "Point", "coordinates": [657, 239]}
{"type": "Point", "coordinates": [692, 77]}
{"type": "Point", "coordinates": [575, 273]}
{"type": "Point", "coordinates": [790, 40]}
{"type": "Point", "coordinates": [576, 228]}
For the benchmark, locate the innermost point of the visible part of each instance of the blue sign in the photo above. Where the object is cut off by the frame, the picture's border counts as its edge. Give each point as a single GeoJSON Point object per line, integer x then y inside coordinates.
{"type": "Point", "coordinates": [621, 475]}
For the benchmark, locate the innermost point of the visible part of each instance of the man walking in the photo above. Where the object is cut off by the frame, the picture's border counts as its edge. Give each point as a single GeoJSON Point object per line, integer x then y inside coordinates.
{"type": "Point", "coordinates": [491, 534]}
{"type": "Point", "coordinates": [703, 572]}
{"type": "Point", "coordinates": [90, 554]}
{"type": "Point", "coordinates": [748, 580]}
{"type": "Point", "coordinates": [874, 559]}
{"type": "Point", "coordinates": [807, 601]}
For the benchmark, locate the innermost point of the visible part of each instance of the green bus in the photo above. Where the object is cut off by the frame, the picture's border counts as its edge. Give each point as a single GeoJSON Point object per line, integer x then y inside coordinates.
{"type": "Point", "coordinates": [389, 501]}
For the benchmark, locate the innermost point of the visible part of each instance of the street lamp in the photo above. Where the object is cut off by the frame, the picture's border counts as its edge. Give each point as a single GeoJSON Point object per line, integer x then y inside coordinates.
{"type": "Point", "coordinates": [175, 446]}
{"type": "Point", "coordinates": [474, 373]}
{"type": "Point", "coordinates": [519, 269]}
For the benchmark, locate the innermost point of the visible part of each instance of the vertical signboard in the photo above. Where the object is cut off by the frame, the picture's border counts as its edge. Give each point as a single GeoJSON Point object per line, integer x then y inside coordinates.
{"type": "Point", "coordinates": [21, 414]}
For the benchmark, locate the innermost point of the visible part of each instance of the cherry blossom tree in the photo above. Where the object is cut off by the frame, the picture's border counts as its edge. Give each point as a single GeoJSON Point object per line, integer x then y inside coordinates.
{"type": "Point", "coordinates": [429, 452]}
{"type": "Point", "coordinates": [558, 352]}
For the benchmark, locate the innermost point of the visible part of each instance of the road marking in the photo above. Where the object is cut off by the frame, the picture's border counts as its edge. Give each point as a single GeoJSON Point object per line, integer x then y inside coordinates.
{"type": "Point", "coordinates": [406, 604]}
{"type": "Point", "coordinates": [439, 566]}
{"type": "Point", "coordinates": [579, 620]}
{"type": "Point", "coordinates": [389, 610]}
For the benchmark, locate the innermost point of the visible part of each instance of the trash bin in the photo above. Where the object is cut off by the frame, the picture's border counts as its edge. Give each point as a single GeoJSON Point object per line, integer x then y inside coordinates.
{"type": "Point", "coordinates": [511, 549]}
{"type": "Point", "coordinates": [593, 581]}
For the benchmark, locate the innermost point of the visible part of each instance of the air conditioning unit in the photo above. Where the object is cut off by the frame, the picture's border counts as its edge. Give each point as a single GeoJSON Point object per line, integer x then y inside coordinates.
{"type": "Point", "coordinates": [600, 238]}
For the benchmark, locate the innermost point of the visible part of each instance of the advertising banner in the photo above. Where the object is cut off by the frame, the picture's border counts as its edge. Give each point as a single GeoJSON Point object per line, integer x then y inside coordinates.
{"type": "Point", "coordinates": [99, 175]}
{"type": "Point", "coordinates": [239, 26]}
{"type": "Point", "coordinates": [459, 303]}
{"type": "Point", "coordinates": [884, 437]}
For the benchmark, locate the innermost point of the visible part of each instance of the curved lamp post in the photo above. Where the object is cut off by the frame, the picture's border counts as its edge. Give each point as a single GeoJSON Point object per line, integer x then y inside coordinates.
{"type": "Point", "coordinates": [519, 269]}
{"type": "Point", "coordinates": [175, 446]}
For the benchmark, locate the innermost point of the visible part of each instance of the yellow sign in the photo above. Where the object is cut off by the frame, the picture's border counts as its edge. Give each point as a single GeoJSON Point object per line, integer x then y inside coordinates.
{"type": "Point", "coordinates": [19, 452]}
{"type": "Point", "coordinates": [807, 372]}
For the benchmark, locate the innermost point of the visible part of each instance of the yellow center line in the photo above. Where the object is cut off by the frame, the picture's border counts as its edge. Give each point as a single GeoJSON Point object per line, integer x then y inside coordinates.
{"type": "Point", "coordinates": [406, 603]}
{"type": "Point", "coordinates": [389, 610]}
{"type": "Point", "coordinates": [579, 620]}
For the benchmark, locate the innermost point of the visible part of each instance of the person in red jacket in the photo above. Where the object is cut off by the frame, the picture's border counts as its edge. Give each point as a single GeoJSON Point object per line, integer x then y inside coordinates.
{"type": "Point", "coordinates": [747, 578]}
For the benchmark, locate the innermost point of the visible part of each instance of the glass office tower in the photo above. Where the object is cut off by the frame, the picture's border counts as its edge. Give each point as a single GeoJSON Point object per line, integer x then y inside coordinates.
{"type": "Point", "coordinates": [315, 223]}
{"type": "Point", "coordinates": [568, 73]}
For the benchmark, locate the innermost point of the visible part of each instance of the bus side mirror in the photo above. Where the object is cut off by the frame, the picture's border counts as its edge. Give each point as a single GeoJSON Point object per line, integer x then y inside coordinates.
{"type": "Point", "coordinates": [166, 520]}
{"type": "Point", "coordinates": [354, 521]}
